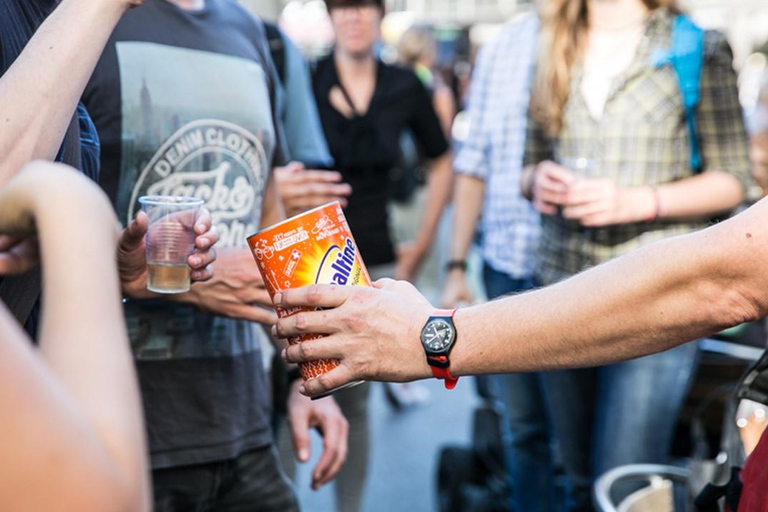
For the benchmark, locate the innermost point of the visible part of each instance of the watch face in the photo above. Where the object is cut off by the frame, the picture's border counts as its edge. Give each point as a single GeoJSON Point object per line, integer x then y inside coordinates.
{"type": "Point", "coordinates": [437, 335]}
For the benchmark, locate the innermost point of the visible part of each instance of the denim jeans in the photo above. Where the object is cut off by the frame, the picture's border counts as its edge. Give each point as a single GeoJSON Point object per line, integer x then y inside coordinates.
{"type": "Point", "coordinates": [529, 456]}
{"type": "Point", "coordinates": [618, 414]}
{"type": "Point", "coordinates": [252, 482]}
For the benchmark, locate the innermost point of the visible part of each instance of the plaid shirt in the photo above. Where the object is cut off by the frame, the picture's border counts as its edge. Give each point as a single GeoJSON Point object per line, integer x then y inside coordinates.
{"type": "Point", "coordinates": [494, 151]}
{"type": "Point", "coordinates": [641, 139]}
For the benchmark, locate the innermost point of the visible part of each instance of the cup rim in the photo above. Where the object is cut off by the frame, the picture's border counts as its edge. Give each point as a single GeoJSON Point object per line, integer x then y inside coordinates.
{"type": "Point", "coordinates": [171, 201]}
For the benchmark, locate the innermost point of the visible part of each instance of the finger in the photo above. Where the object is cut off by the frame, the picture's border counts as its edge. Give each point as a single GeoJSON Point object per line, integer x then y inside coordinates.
{"type": "Point", "coordinates": [331, 440]}
{"type": "Point", "coordinates": [318, 295]}
{"type": "Point", "coordinates": [203, 221]}
{"type": "Point", "coordinates": [384, 283]}
{"type": "Point", "coordinates": [597, 220]}
{"type": "Point", "coordinates": [339, 376]}
{"type": "Point", "coordinates": [133, 235]}
{"type": "Point", "coordinates": [308, 322]}
{"type": "Point", "coordinates": [312, 350]}
{"type": "Point", "coordinates": [342, 450]}
{"type": "Point", "coordinates": [20, 258]}
{"type": "Point", "coordinates": [315, 176]}
{"type": "Point", "coordinates": [545, 208]}
{"type": "Point", "coordinates": [557, 172]}
{"type": "Point", "coordinates": [299, 423]}
{"type": "Point", "coordinates": [585, 191]}
{"type": "Point", "coordinates": [201, 259]}
{"type": "Point", "coordinates": [205, 274]}
{"type": "Point", "coordinates": [252, 314]}
{"type": "Point", "coordinates": [585, 210]}
{"type": "Point", "coordinates": [208, 239]}
{"type": "Point", "coordinates": [555, 198]}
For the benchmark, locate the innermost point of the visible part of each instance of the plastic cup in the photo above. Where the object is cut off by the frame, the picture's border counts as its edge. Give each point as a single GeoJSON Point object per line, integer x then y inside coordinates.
{"type": "Point", "coordinates": [170, 241]}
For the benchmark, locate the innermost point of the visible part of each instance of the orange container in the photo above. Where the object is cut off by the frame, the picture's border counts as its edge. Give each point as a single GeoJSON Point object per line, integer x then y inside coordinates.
{"type": "Point", "coordinates": [315, 247]}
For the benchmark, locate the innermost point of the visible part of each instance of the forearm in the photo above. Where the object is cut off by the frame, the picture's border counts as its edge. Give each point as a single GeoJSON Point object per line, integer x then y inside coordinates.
{"type": "Point", "coordinates": [649, 301]}
{"type": "Point", "coordinates": [39, 92]}
{"type": "Point", "coordinates": [468, 204]}
{"type": "Point", "coordinates": [82, 337]}
{"type": "Point", "coordinates": [438, 194]}
{"type": "Point", "coordinates": [700, 196]}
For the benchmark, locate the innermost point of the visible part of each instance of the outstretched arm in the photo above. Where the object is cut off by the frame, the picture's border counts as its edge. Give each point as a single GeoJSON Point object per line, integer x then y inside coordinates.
{"type": "Point", "coordinates": [648, 301]}
{"type": "Point", "coordinates": [76, 426]}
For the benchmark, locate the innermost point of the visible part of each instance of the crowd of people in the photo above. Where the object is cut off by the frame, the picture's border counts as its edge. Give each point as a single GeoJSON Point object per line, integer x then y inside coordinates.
{"type": "Point", "coordinates": [599, 151]}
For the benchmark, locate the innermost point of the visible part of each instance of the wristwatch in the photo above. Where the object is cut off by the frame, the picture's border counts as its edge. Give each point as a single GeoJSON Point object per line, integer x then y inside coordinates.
{"type": "Point", "coordinates": [438, 337]}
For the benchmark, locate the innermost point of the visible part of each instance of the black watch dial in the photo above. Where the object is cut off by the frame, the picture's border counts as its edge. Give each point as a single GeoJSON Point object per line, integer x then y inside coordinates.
{"type": "Point", "coordinates": [438, 335]}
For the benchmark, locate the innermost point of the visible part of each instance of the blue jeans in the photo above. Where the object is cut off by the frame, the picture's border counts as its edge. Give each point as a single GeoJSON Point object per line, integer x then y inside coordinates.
{"type": "Point", "coordinates": [529, 456]}
{"type": "Point", "coordinates": [619, 414]}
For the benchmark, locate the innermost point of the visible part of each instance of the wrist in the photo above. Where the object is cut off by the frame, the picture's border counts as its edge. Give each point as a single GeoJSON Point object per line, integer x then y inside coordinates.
{"type": "Point", "coordinates": [456, 266]}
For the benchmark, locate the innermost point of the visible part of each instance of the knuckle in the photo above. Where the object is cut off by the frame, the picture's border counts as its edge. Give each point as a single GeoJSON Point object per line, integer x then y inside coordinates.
{"type": "Point", "coordinates": [306, 351]}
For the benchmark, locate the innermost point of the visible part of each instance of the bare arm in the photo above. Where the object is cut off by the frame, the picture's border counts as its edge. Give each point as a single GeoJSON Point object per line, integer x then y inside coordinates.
{"type": "Point", "coordinates": [39, 92]}
{"type": "Point", "coordinates": [77, 426]}
{"type": "Point", "coordinates": [468, 204]}
{"type": "Point", "coordinates": [438, 194]}
{"type": "Point", "coordinates": [665, 294]}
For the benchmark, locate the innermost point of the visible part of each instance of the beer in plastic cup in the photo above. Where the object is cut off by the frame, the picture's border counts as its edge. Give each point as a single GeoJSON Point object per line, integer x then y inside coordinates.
{"type": "Point", "coordinates": [170, 241]}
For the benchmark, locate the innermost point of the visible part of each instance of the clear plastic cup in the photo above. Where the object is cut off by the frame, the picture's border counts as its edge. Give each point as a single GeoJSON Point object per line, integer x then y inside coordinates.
{"type": "Point", "coordinates": [170, 241]}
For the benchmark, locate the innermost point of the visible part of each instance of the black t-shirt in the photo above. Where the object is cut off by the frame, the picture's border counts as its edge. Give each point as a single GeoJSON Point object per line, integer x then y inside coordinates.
{"type": "Point", "coordinates": [366, 147]}
{"type": "Point", "coordinates": [183, 103]}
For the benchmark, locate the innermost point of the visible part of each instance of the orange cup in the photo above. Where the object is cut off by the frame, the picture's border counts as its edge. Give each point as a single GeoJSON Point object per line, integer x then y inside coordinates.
{"type": "Point", "coordinates": [315, 247]}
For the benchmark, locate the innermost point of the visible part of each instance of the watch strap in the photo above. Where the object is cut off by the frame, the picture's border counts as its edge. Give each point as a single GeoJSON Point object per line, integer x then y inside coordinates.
{"type": "Point", "coordinates": [440, 369]}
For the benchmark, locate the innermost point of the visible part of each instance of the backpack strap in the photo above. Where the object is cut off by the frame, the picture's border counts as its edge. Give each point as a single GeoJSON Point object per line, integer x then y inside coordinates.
{"type": "Point", "coordinates": [687, 59]}
{"type": "Point", "coordinates": [276, 49]}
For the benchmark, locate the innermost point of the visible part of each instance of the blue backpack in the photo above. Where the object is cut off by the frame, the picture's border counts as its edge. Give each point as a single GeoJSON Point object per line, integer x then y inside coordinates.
{"type": "Point", "coordinates": [687, 59]}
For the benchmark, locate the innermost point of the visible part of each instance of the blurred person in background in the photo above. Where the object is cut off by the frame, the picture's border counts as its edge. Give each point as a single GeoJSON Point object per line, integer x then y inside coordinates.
{"type": "Point", "coordinates": [73, 431]}
{"type": "Point", "coordinates": [611, 170]}
{"type": "Point", "coordinates": [488, 166]}
{"type": "Point", "coordinates": [185, 99]}
{"type": "Point", "coordinates": [365, 105]}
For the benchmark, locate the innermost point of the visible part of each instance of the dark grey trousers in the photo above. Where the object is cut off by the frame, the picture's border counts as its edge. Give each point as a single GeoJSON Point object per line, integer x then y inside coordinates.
{"type": "Point", "coordinates": [253, 482]}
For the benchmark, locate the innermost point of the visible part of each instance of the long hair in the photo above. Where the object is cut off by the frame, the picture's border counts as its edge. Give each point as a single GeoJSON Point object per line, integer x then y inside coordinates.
{"type": "Point", "coordinates": [564, 27]}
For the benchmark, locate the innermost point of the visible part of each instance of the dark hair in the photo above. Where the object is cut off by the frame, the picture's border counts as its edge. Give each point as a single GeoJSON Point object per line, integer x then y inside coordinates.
{"type": "Point", "coordinates": [330, 4]}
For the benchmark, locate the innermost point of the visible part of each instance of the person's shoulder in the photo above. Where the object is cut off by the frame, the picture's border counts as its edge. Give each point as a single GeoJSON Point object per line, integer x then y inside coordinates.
{"type": "Point", "coordinates": [717, 49]}
{"type": "Point", "coordinates": [238, 16]}
{"type": "Point", "coordinates": [522, 29]}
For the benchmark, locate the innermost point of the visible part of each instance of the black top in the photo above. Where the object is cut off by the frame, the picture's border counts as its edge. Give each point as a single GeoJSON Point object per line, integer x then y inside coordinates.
{"type": "Point", "coordinates": [184, 105]}
{"type": "Point", "coordinates": [366, 148]}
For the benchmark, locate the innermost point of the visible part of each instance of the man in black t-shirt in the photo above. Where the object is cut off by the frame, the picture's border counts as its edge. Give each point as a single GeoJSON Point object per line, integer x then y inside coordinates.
{"type": "Point", "coordinates": [183, 98]}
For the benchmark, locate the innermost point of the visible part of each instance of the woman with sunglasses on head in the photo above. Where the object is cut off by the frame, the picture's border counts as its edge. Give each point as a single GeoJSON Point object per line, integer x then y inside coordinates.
{"type": "Point", "coordinates": [365, 106]}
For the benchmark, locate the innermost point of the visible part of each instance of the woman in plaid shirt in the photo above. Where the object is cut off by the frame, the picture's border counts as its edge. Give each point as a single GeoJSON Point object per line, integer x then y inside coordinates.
{"type": "Point", "coordinates": [610, 170]}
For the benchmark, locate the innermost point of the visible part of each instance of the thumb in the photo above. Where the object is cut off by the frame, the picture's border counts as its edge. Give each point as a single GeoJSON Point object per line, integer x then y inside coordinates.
{"type": "Point", "coordinates": [300, 434]}
{"type": "Point", "coordinates": [134, 234]}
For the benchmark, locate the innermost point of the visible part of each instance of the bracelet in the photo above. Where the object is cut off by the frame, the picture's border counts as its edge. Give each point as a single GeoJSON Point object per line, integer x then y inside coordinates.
{"type": "Point", "coordinates": [456, 264]}
{"type": "Point", "coordinates": [659, 207]}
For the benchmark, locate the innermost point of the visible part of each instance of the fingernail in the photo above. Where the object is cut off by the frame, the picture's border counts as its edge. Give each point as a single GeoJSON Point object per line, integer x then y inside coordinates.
{"type": "Point", "coordinates": [196, 262]}
{"type": "Point", "coordinates": [303, 389]}
{"type": "Point", "coordinates": [278, 298]}
{"type": "Point", "coordinates": [204, 241]}
{"type": "Point", "coordinates": [303, 455]}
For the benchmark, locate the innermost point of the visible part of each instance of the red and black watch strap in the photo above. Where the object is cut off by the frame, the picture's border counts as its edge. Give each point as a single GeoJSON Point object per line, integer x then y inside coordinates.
{"type": "Point", "coordinates": [440, 369]}
{"type": "Point", "coordinates": [440, 365]}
